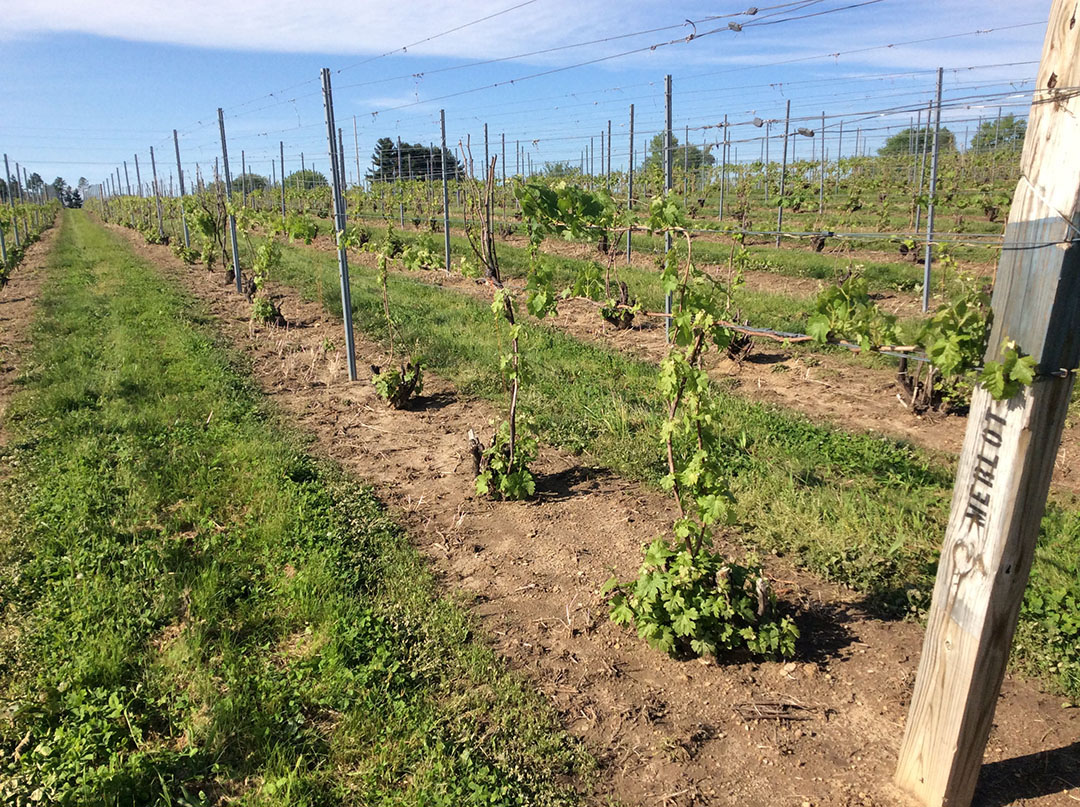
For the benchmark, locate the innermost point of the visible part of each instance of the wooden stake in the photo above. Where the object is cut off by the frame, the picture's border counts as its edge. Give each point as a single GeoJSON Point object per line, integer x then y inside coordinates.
{"type": "Point", "coordinates": [1009, 448]}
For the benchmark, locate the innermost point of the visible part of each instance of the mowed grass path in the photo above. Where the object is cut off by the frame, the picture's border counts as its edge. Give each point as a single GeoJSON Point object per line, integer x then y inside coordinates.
{"type": "Point", "coordinates": [192, 608]}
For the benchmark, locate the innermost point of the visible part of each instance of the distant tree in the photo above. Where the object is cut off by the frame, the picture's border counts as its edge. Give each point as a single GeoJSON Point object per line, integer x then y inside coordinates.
{"type": "Point", "coordinates": [35, 182]}
{"type": "Point", "coordinates": [72, 197]}
{"type": "Point", "coordinates": [308, 178]}
{"type": "Point", "coordinates": [254, 182]}
{"type": "Point", "coordinates": [694, 156]}
{"type": "Point", "coordinates": [910, 141]}
{"type": "Point", "coordinates": [1008, 133]}
{"type": "Point", "coordinates": [83, 185]}
{"type": "Point", "coordinates": [417, 162]}
{"type": "Point", "coordinates": [59, 186]}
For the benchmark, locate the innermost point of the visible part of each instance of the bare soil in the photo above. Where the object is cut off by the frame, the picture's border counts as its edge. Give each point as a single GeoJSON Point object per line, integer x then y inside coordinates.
{"type": "Point", "coordinates": [667, 732]}
{"type": "Point", "coordinates": [17, 302]}
{"type": "Point", "coordinates": [822, 386]}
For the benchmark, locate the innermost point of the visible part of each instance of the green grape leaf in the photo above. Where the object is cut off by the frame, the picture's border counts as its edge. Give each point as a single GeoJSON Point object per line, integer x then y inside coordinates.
{"type": "Point", "coordinates": [818, 326]}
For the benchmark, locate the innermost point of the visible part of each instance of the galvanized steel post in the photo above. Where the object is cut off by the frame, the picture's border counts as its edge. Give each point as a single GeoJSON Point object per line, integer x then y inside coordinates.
{"type": "Point", "coordinates": [339, 224]}
{"type": "Point", "coordinates": [180, 177]}
{"type": "Point", "coordinates": [930, 208]}
{"type": "Point", "coordinates": [783, 175]}
{"type": "Point", "coordinates": [157, 196]}
{"type": "Point", "coordinates": [630, 180]}
{"type": "Point", "coordinates": [667, 190]}
{"type": "Point", "coordinates": [228, 197]}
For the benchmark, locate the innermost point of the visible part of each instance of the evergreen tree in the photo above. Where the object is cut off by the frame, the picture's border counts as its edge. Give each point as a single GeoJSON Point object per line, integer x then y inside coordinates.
{"type": "Point", "coordinates": [417, 162]}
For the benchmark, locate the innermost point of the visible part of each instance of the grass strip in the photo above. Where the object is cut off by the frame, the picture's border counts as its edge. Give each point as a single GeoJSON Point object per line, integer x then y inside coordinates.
{"type": "Point", "coordinates": [194, 610]}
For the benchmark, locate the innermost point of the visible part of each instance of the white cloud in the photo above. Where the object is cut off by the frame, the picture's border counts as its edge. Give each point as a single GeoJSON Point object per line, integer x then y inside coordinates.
{"type": "Point", "coordinates": [320, 26]}
{"type": "Point", "coordinates": [369, 28]}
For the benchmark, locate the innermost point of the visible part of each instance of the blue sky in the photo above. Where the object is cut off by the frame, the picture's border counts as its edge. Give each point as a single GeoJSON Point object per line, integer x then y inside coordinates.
{"type": "Point", "coordinates": [88, 83]}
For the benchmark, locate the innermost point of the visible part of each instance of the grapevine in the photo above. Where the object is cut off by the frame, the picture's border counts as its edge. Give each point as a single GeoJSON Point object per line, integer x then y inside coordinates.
{"type": "Point", "coordinates": [688, 599]}
{"type": "Point", "coordinates": [394, 385]}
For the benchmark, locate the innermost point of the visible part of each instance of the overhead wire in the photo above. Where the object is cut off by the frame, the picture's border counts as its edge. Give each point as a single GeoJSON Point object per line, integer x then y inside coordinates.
{"type": "Point", "coordinates": [789, 9]}
{"type": "Point", "coordinates": [833, 54]}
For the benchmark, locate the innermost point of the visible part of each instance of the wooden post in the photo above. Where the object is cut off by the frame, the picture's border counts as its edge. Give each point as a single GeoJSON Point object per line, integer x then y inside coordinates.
{"type": "Point", "coordinates": [1008, 456]}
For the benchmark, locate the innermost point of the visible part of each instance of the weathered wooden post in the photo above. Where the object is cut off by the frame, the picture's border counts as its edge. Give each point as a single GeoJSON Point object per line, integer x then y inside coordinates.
{"type": "Point", "coordinates": [1008, 456]}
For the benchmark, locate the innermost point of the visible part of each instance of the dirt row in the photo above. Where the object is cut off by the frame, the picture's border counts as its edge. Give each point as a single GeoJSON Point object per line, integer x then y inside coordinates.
{"type": "Point", "coordinates": [17, 303]}
{"type": "Point", "coordinates": [822, 386]}
{"type": "Point", "coordinates": [902, 304]}
{"type": "Point", "coordinates": [667, 732]}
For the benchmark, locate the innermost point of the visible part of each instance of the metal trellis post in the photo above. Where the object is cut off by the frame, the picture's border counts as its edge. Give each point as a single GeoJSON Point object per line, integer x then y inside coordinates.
{"type": "Point", "coordinates": [930, 208]}
{"type": "Point", "coordinates": [157, 196]}
{"type": "Point", "coordinates": [783, 175]}
{"type": "Point", "coordinates": [445, 192]}
{"type": "Point", "coordinates": [228, 196]}
{"type": "Point", "coordinates": [281, 148]}
{"type": "Point", "coordinates": [630, 181]}
{"type": "Point", "coordinates": [667, 190]}
{"type": "Point", "coordinates": [180, 178]}
{"type": "Point", "coordinates": [339, 224]}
